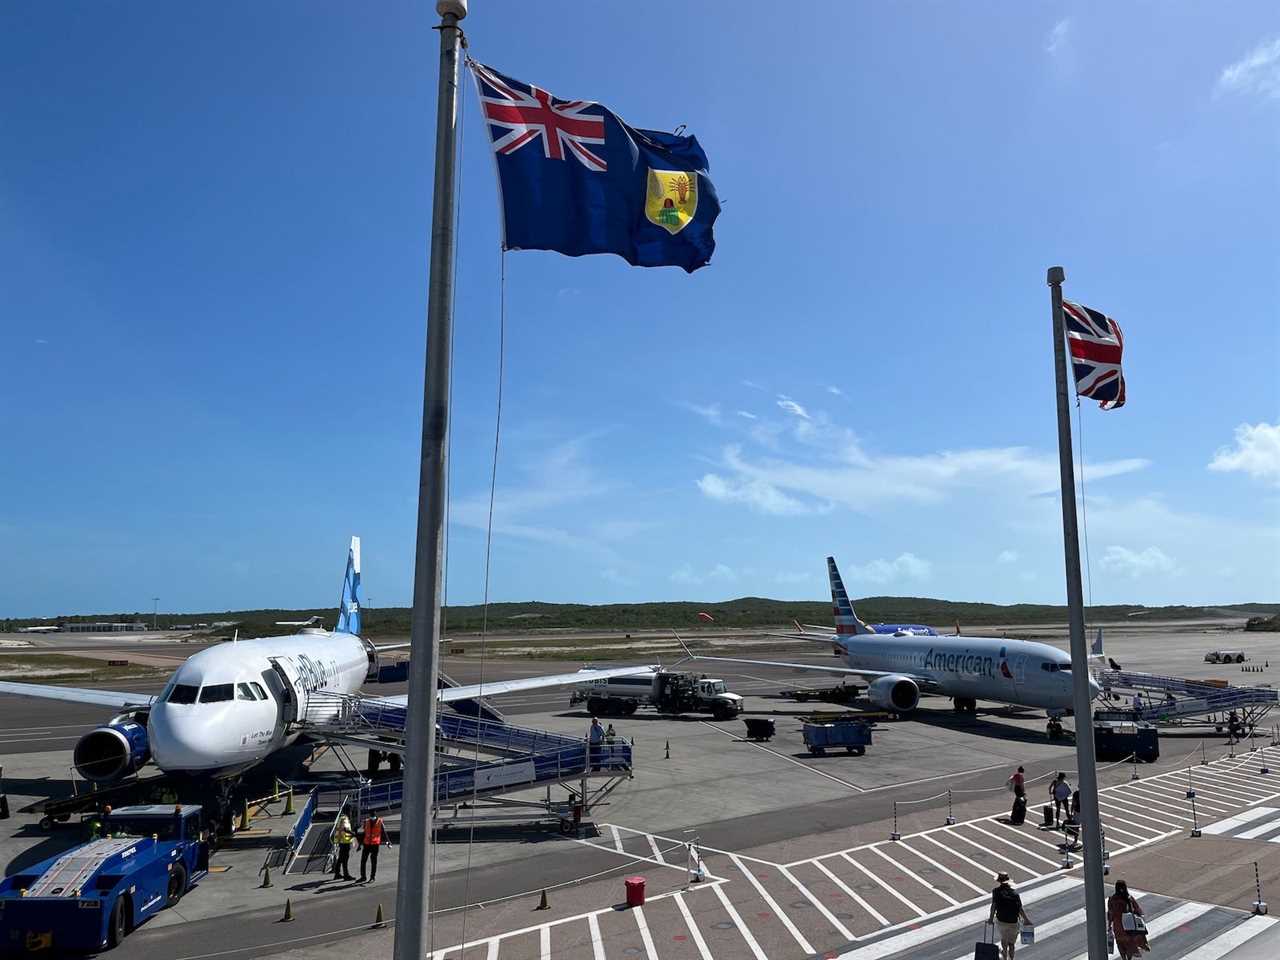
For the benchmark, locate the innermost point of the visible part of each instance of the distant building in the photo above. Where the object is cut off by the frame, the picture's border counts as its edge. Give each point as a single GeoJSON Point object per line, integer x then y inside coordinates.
{"type": "Point", "coordinates": [136, 627]}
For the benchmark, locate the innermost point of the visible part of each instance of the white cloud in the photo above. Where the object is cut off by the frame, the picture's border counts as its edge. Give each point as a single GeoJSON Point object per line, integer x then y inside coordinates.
{"type": "Point", "coordinates": [756, 494]}
{"type": "Point", "coordinates": [1059, 37]}
{"type": "Point", "coordinates": [710, 413]}
{"type": "Point", "coordinates": [747, 416]}
{"type": "Point", "coordinates": [722, 572]}
{"type": "Point", "coordinates": [793, 577]}
{"type": "Point", "coordinates": [1135, 564]}
{"type": "Point", "coordinates": [1258, 72]}
{"type": "Point", "coordinates": [835, 391]}
{"type": "Point", "coordinates": [1257, 452]}
{"type": "Point", "coordinates": [1007, 556]}
{"type": "Point", "coordinates": [38, 340]}
{"type": "Point", "coordinates": [905, 566]}
{"type": "Point", "coordinates": [751, 384]}
{"type": "Point", "coordinates": [793, 408]}
{"type": "Point", "coordinates": [687, 575]}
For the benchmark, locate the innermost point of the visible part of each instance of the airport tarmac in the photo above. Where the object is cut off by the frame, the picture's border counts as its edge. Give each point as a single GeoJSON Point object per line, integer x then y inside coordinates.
{"type": "Point", "coordinates": [796, 848]}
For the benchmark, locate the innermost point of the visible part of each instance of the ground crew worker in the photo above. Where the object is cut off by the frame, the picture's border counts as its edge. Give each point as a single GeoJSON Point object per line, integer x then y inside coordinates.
{"type": "Point", "coordinates": [372, 836]}
{"type": "Point", "coordinates": [609, 734]}
{"type": "Point", "coordinates": [343, 836]}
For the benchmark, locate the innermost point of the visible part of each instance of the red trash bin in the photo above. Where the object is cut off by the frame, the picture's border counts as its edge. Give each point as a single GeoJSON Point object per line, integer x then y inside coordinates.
{"type": "Point", "coordinates": [635, 891]}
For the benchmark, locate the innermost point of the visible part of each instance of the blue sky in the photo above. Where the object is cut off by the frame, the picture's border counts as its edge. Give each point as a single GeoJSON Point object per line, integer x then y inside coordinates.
{"type": "Point", "coordinates": [214, 229]}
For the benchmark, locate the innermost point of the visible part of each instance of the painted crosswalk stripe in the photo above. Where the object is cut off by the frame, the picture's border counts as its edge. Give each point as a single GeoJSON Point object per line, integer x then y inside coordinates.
{"type": "Point", "coordinates": [910, 905]}
{"type": "Point", "coordinates": [983, 869]}
{"type": "Point", "coordinates": [819, 905]}
{"type": "Point", "coordinates": [1254, 832]}
{"type": "Point", "coordinates": [650, 950]}
{"type": "Point", "coordinates": [1166, 805]}
{"type": "Point", "coordinates": [875, 848]}
{"type": "Point", "coordinates": [805, 945]}
{"type": "Point", "coordinates": [1229, 790]}
{"type": "Point", "coordinates": [1169, 920]}
{"type": "Point", "coordinates": [1239, 820]}
{"type": "Point", "coordinates": [1221, 945]}
{"type": "Point", "coordinates": [693, 928]}
{"type": "Point", "coordinates": [544, 943]}
{"type": "Point", "coordinates": [1052, 927]}
{"type": "Point", "coordinates": [492, 953]}
{"type": "Point", "coordinates": [1148, 810]}
{"type": "Point", "coordinates": [617, 839]}
{"type": "Point", "coordinates": [653, 845]}
{"type": "Point", "coordinates": [924, 933]}
{"type": "Point", "coordinates": [1173, 796]}
{"type": "Point", "coordinates": [742, 927]}
{"type": "Point", "coordinates": [1148, 830]}
{"type": "Point", "coordinates": [879, 917]}
{"type": "Point", "coordinates": [1034, 856]}
{"type": "Point", "coordinates": [1110, 805]}
{"type": "Point", "coordinates": [948, 871]}
{"type": "Point", "coordinates": [597, 942]}
{"type": "Point", "coordinates": [992, 852]}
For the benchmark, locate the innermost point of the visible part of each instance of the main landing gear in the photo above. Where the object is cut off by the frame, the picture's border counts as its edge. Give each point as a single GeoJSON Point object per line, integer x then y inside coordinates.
{"type": "Point", "coordinates": [965, 705]}
{"type": "Point", "coordinates": [1053, 729]}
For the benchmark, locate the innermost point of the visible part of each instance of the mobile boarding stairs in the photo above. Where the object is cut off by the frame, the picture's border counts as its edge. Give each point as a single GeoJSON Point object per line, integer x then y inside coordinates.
{"type": "Point", "coordinates": [488, 773]}
{"type": "Point", "coordinates": [1180, 702]}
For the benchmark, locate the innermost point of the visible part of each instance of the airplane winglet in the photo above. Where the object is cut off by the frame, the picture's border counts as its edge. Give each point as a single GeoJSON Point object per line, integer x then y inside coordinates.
{"type": "Point", "coordinates": [684, 646]}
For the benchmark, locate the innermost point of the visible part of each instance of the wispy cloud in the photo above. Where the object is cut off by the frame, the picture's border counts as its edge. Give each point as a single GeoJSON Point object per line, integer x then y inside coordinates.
{"type": "Point", "coordinates": [758, 494]}
{"type": "Point", "coordinates": [791, 407]}
{"type": "Point", "coordinates": [686, 574]}
{"type": "Point", "coordinates": [1256, 452]}
{"type": "Point", "coordinates": [1258, 72]}
{"type": "Point", "coordinates": [747, 416]}
{"type": "Point", "coordinates": [39, 340]}
{"type": "Point", "coordinates": [751, 384]}
{"type": "Point", "coordinates": [1007, 556]}
{"type": "Point", "coordinates": [1135, 564]}
{"type": "Point", "coordinates": [835, 391]}
{"type": "Point", "coordinates": [710, 413]}
{"type": "Point", "coordinates": [1058, 38]}
{"type": "Point", "coordinates": [905, 566]}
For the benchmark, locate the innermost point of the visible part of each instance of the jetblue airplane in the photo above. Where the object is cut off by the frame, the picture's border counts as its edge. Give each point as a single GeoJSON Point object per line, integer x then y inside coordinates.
{"type": "Point", "coordinates": [231, 706]}
{"type": "Point", "coordinates": [899, 666]}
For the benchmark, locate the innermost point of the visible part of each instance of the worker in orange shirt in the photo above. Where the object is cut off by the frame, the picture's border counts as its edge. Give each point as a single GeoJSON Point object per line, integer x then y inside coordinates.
{"type": "Point", "coordinates": [373, 834]}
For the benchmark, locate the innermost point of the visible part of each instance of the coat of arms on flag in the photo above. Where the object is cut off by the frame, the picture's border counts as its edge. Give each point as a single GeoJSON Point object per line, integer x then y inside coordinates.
{"type": "Point", "coordinates": [1096, 345]}
{"type": "Point", "coordinates": [576, 179]}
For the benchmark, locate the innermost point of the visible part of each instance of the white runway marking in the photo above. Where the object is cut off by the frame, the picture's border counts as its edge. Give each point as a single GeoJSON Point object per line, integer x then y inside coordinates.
{"type": "Point", "coordinates": [694, 932]}
{"type": "Point", "coordinates": [742, 927]}
{"type": "Point", "coordinates": [879, 917]}
{"type": "Point", "coordinates": [910, 905]}
{"type": "Point", "coordinates": [649, 949]}
{"type": "Point", "coordinates": [1221, 945]}
{"type": "Point", "coordinates": [1239, 820]}
{"type": "Point", "coordinates": [597, 942]}
{"type": "Point", "coordinates": [773, 905]}
{"type": "Point", "coordinates": [821, 907]}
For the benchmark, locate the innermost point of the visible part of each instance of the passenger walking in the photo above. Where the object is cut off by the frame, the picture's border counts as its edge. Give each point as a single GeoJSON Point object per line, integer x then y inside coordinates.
{"type": "Point", "coordinates": [609, 735]}
{"type": "Point", "coordinates": [1137, 703]}
{"type": "Point", "coordinates": [595, 737]}
{"type": "Point", "coordinates": [372, 836]}
{"type": "Point", "coordinates": [1006, 912]}
{"type": "Point", "coordinates": [1060, 793]}
{"type": "Point", "coordinates": [1017, 783]}
{"type": "Point", "coordinates": [342, 836]}
{"type": "Point", "coordinates": [1127, 926]}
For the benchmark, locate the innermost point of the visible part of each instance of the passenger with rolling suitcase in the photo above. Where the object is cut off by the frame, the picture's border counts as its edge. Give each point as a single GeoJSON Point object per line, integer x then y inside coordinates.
{"type": "Point", "coordinates": [1127, 924]}
{"type": "Point", "coordinates": [1006, 913]}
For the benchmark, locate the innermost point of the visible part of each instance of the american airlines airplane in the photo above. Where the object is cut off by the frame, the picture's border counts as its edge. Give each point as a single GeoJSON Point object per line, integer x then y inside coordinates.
{"type": "Point", "coordinates": [231, 706]}
{"type": "Point", "coordinates": [899, 666]}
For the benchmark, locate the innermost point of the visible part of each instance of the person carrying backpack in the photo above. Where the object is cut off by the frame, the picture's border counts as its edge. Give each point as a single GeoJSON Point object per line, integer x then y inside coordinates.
{"type": "Point", "coordinates": [1006, 912]}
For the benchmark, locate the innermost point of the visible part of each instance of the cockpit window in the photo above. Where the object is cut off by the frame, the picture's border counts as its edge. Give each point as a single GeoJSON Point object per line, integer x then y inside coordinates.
{"type": "Point", "coordinates": [183, 693]}
{"type": "Point", "coordinates": [218, 692]}
{"type": "Point", "coordinates": [243, 692]}
{"type": "Point", "coordinates": [1056, 667]}
{"type": "Point", "coordinates": [257, 688]}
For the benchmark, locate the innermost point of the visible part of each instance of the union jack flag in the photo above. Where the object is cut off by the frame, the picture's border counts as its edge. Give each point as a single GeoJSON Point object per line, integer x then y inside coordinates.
{"type": "Point", "coordinates": [1096, 346]}
{"type": "Point", "coordinates": [528, 113]}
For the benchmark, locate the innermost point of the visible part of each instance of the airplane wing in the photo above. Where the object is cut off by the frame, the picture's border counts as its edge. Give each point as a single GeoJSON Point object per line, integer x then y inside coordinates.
{"type": "Point", "coordinates": [495, 687]}
{"type": "Point", "coordinates": [925, 683]}
{"type": "Point", "coordinates": [99, 698]}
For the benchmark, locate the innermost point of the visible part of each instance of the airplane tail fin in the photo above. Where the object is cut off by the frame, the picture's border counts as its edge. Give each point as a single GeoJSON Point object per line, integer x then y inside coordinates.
{"type": "Point", "coordinates": [847, 622]}
{"type": "Point", "coordinates": [349, 604]}
{"type": "Point", "coordinates": [1096, 650]}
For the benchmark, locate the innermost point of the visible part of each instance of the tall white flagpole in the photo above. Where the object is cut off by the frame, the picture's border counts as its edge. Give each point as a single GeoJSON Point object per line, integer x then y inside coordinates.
{"type": "Point", "coordinates": [413, 917]}
{"type": "Point", "coordinates": [1082, 698]}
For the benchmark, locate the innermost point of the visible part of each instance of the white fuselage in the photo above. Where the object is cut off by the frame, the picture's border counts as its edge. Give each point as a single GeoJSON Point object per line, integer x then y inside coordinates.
{"type": "Point", "coordinates": [1019, 672]}
{"type": "Point", "coordinates": [229, 707]}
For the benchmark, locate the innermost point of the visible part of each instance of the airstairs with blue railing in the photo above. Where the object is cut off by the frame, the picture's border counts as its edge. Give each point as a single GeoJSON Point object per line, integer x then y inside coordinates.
{"type": "Point", "coordinates": [487, 772]}
{"type": "Point", "coordinates": [1182, 702]}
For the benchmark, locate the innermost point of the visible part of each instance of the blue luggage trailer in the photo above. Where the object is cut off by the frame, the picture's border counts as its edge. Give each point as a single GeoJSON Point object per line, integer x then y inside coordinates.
{"type": "Point", "coordinates": [853, 735]}
{"type": "Point", "coordinates": [88, 898]}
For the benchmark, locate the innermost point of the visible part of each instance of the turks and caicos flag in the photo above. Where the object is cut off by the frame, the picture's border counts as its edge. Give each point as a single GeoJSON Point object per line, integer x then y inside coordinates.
{"type": "Point", "coordinates": [576, 179]}
{"type": "Point", "coordinates": [1096, 346]}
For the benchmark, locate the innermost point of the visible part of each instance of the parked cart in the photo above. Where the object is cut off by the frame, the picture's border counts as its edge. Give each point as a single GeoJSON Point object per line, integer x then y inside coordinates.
{"type": "Point", "coordinates": [853, 735]}
{"type": "Point", "coordinates": [759, 728]}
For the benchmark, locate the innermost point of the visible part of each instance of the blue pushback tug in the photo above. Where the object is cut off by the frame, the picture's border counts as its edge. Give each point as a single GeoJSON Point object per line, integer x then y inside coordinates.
{"type": "Point", "coordinates": [88, 898]}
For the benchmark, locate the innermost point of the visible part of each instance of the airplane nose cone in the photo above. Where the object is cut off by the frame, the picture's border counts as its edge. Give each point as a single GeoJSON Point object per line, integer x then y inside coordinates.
{"type": "Point", "coordinates": [181, 740]}
{"type": "Point", "coordinates": [1095, 689]}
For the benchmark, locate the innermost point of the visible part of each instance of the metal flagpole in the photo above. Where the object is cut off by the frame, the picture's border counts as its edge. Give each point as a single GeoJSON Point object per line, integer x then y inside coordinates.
{"type": "Point", "coordinates": [413, 918]}
{"type": "Point", "coordinates": [1091, 834]}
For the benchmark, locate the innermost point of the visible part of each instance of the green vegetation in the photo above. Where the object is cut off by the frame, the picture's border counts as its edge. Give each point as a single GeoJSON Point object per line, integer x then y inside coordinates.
{"type": "Point", "coordinates": [61, 668]}
{"type": "Point", "coordinates": [743, 613]}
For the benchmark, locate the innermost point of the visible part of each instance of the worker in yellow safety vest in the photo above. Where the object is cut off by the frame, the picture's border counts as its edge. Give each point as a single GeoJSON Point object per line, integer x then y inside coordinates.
{"type": "Point", "coordinates": [343, 836]}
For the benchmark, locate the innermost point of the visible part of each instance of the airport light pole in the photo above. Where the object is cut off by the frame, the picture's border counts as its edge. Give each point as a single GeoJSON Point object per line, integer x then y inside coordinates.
{"type": "Point", "coordinates": [413, 915]}
{"type": "Point", "coordinates": [155, 612]}
{"type": "Point", "coordinates": [1082, 698]}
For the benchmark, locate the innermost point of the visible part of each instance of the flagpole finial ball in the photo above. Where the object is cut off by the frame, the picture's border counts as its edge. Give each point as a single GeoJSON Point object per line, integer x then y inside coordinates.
{"type": "Point", "coordinates": [457, 7]}
{"type": "Point", "coordinates": [1056, 275]}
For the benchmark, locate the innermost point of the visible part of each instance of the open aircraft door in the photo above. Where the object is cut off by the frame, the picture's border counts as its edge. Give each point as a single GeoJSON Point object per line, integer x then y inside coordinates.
{"type": "Point", "coordinates": [293, 692]}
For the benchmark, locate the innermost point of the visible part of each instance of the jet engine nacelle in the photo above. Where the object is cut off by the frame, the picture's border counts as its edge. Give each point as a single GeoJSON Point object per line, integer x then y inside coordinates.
{"type": "Point", "coordinates": [896, 693]}
{"type": "Point", "coordinates": [107, 753]}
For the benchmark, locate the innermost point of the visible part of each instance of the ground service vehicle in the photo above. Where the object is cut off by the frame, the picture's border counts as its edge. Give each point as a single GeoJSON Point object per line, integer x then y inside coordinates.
{"type": "Point", "coordinates": [667, 692]}
{"type": "Point", "coordinates": [1224, 656]}
{"type": "Point", "coordinates": [91, 896]}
